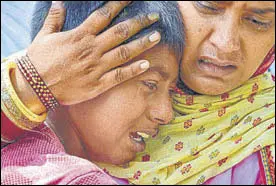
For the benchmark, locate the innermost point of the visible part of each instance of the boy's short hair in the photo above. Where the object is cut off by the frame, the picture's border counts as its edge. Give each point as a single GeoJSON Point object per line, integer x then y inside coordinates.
{"type": "Point", "coordinates": [170, 24]}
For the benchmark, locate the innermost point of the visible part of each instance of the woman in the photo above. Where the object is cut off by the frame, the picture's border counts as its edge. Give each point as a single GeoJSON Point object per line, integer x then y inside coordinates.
{"type": "Point", "coordinates": [226, 43]}
{"type": "Point", "coordinates": [98, 129]}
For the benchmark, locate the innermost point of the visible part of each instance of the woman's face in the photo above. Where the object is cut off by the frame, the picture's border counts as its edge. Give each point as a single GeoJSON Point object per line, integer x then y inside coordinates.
{"type": "Point", "coordinates": [226, 42]}
{"type": "Point", "coordinates": [108, 124]}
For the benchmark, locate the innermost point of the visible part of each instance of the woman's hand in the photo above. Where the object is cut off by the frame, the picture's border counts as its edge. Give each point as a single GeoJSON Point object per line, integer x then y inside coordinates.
{"type": "Point", "coordinates": [80, 64]}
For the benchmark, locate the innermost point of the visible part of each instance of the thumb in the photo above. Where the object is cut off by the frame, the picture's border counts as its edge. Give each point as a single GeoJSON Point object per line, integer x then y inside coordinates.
{"type": "Point", "coordinates": [55, 18]}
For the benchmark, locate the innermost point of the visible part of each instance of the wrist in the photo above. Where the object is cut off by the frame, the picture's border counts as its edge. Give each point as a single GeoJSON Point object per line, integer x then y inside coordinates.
{"type": "Point", "coordinates": [26, 93]}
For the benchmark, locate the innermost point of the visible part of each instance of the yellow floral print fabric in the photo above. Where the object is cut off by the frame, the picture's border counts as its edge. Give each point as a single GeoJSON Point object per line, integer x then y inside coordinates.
{"type": "Point", "coordinates": [208, 135]}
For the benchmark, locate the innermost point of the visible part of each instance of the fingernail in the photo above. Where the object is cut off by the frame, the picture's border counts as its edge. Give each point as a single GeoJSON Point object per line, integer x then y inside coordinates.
{"type": "Point", "coordinates": [153, 16]}
{"type": "Point", "coordinates": [154, 37]}
{"type": "Point", "coordinates": [125, 2]}
{"type": "Point", "coordinates": [57, 4]}
{"type": "Point", "coordinates": [144, 65]}
{"type": "Point", "coordinates": [128, 2]}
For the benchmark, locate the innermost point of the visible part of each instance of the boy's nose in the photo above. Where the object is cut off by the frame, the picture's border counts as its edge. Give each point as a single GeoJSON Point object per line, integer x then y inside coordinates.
{"type": "Point", "coordinates": [162, 113]}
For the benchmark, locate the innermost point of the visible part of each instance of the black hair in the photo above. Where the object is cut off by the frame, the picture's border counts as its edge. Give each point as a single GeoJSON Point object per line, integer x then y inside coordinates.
{"type": "Point", "coordinates": [170, 24]}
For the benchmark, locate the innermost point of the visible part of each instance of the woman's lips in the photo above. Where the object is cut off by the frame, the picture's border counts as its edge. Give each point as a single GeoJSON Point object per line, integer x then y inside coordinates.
{"type": "Point", "coordinates": [215, 67]}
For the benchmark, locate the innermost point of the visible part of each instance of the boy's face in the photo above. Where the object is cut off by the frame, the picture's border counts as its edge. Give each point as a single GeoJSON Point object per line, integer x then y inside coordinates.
{"type": "Point", "coordinates": [108, 124]}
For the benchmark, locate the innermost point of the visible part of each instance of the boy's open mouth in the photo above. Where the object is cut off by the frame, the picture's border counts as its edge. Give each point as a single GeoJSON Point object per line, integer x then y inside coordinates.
{"type": "Point", "coordinates": [138, 139]}
{"type": "Point", "coordinates": [138, 142]}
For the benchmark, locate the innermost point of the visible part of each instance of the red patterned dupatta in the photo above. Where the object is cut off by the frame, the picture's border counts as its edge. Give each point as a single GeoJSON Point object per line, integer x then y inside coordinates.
{"type": "Point", "coordinates": [266, 157]}
{"type": "Point", "coordinates": [267, 165]}
{"type": "Point", "coordinates": [268, 60]}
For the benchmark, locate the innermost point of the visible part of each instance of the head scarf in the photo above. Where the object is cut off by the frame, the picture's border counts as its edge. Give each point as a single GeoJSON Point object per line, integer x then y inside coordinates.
{"type": "Point", "coordinates": [267, 62]}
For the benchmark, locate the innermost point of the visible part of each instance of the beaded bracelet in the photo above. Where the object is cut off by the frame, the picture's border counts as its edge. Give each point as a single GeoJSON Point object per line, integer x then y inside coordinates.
{"type": "Point", "coordinates": [36, 82]}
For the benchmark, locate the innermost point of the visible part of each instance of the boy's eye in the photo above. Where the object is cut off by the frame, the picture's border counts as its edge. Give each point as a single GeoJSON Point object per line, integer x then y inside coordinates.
{"type": "Point", "coordinates": [152, 85]}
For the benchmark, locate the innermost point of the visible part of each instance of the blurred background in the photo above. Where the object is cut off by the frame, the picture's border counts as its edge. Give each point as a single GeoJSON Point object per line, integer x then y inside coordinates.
{"type": "Point", "coordinates": [15, 21]}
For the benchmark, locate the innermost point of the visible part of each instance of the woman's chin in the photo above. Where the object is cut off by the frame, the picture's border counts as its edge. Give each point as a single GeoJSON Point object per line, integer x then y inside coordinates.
{"type": "Point", "coordinates": [210, 86]}
{"type": "Point", "coordinates": [213, 89]}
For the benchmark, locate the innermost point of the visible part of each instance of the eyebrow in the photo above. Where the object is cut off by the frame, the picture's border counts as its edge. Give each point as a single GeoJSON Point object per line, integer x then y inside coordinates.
{"type": "Point", "coordinates": [255, 10]}
{"type": "Point", "coordinates": [222, 2]}
{"type": "Point", "coordinates": [262, 11]}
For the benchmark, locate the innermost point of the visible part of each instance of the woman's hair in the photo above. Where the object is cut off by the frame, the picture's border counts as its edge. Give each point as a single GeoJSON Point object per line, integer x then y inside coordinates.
{"type": "Point", "coordinates": [170, 24]}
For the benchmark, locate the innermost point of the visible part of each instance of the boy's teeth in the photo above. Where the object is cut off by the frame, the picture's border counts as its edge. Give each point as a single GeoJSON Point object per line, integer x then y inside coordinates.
{"type": "Point", "coordinates": [136, 137]}
{"type": "Point", "coordinates": [144, 135]}
{"type": "Point", "coordinates": [140, 139]}
{"type": "Point", "coordinates": [139, 136]}
{"type": "Point", "coordinates": [205, 60]}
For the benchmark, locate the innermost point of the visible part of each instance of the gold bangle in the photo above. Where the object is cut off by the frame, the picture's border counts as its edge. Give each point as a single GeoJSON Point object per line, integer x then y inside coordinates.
{"type": "Point", "coordinates": [25, 118]}
{"type": "Point", "coordinates": [14, 116]}
{"type": "Point", "coordinates": [29, 114]}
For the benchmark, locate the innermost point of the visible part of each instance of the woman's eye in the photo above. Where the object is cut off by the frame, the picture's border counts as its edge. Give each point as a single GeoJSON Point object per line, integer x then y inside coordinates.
{"type": "Point", "coordinates": [207, 7]}
{"type": "Point", "coordinates": [152, 85]}
{"type": "Point", "coordinates": [258, 24]}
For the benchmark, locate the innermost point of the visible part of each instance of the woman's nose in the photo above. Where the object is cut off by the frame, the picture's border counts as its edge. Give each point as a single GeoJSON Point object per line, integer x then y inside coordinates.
{"type": "Point", "coordinates": [161, 111]}
{"type": "Point", "coordinates": [225, 36]}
